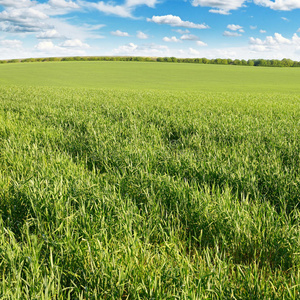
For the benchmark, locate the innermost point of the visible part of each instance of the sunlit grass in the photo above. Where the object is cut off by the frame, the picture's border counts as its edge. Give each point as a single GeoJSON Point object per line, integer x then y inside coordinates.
{"type": "Point", "coordinates": [153, 76]}
{"type": "Point", "coordinates": [115, 194]}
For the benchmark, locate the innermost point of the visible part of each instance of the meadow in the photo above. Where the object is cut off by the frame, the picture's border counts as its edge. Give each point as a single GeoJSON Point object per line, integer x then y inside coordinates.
{"type": "Point", "coordinates": [122, 180]}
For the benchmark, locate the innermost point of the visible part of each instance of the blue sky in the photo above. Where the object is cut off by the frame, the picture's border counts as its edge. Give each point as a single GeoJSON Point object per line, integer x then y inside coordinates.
{"type": "Point", "coordinates": [240, 29]}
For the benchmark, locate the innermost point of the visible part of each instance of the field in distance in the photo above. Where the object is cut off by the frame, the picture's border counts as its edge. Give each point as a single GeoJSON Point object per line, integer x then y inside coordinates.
{"type": "Point", "coordinates": [149, 75]}
{"type": "Point", "coordinates": [138, 181]}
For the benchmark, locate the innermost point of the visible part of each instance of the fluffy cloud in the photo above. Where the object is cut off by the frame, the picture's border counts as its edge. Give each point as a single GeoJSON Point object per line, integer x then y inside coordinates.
{"type": "Point", "coordinates": [274, 42]}
{"type": "Point", "coordinates": [11, 43]}
{"type": "Point", "coordinates": [141, 35]}
{"type": "Point", "coordinates": [75, 43]}
{"type": "Point", "coordinates": [194, 52]}
{"type": "Point", "coordinates": [262, 31]}
{"type": "Point", "coordinates": [48, 48]}
{"type": "Point", "coordinates": [13, 48]}
{"type": "Point", "coordinates": [22, 20]}
{"type": "Point", "coordinates": [189, 37]}
{"type": "Point", "coordinates": [25, 16]}
{"type": "Point", "coordinates": [45, 46]}
{"type": "Point", "coordinates": [125, 10]}
{"type": "Point", "coordinates": [130, 48]}
{"type": "Point", "coordinates": [119, 33]}
{"type": "Point", "coordinates": [225, 6]}
{"type": "Point", "coordinates": [185, 37]}
{"type": "Point", "coordinates": [131, 3]}
{"type": "Point", "coordinates": [16, 4]}
{"type": "Point", "coordinates": [201, 44]}
{"type": "Point", "coordinates": [49, 45]}
{"type": "Point", "coordinates": [176, 21]}
{"type": "Point", "coordinates": [234, 27]}
{"type": "Point", "coordinates": [119, 10]}
{"type": "Point", "coordinates": [231, 33]}
{"type": "Point", "coordinates": [219, 11]}
{"type": "Point", "coordinates": [279, 4]}
{"type": "Point", "coordinates": [63, 4]}
{"type": "Point", "coordinates": [142, 50]}
{"type": "Point", "coordinates": [22, 15]}
{"type": "Point", "coordinates": [220, 7]}
{"type": "Point", "coordinates": [50, 34]}
{"type": "Point", "coordinates": [173, 39]}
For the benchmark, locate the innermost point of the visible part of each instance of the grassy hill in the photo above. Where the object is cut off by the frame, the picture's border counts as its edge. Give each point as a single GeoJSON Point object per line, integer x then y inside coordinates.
{"type": "Point", "coordinates": [157, 76]}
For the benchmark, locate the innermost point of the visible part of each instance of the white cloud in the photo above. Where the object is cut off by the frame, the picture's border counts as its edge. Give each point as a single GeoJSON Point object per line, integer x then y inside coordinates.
{"type": "Point", "coordinates": [119, 33]}
{"type": "Point", "coordinates": [245, 52]}
{"type": "Point", "coordinates": [225, 6]}
{"type": "Point", "coordinates": [262, 31]}
{"type": "Point", "coordinates": [22, 15]}
{"type": "Point", "coordinates": [173, 39]}
{"type": "Point", "coordinates": [234, 27]}
{"type": "Point", "coordinates": [11, 43]}
{"type": "Point", "coordinates": [219, 11]}
{"type": "Point", "coordinates": [16, 4]}
{"type": "Point", "coordinates": [279, 4]}
{"type": "Point", "coordinates": [142, 50]}
{"type": "Point", "coordinates": [72, 31]}
{"type": "Point", "coordinates": [181, 31]}
{"type": "Point", "coordinates": [141, 35]}
{"type": "Point", "coordinates": [22, 20]}
{"type": "Point", "coordinates": [231, 33]}
{"type": "Point", "coordinates": [46, 45]}
{"type": "Point", "coordinates": [130, 48]}
{"type": "Point", "coordinates": [201, 44]}
{"type": "Point", "coordinates": [298, 30]}
{"type": "Point", "coordinates": [220, 7]}
{"type": "Point", "coordinates": [18, 28]}
{"type": "Point", "coordinates": [285, 19]}
{"type": "Point", "coordinates": [13, 48]}
{"type": "Point", "coordinates": [149, 3]}
{"type": "Point", "coordinates": [48, 48]}
{"type": "Point", "coordinates": [176, 21]}
{"type": "Point", "coordinates": [125, 10]}
{"type": "Point", "coordinates": [75, 43]}
{"type": "Point", "coordinates": [31, 16]}
{"type": "Point", "coordinates": [258, 48]}
{"type": "Point", "coordinates": [50, 34]}
{"type": "Point", "coordinates": [194, 51]}
{"type": "Point", "coordinates": [63, 4]}
{"type": "Point", "coordinates": [273, 41]}
{"type": "Point", "coordinates": [189, 37]}
{"type": "Point", "coordinates": [253, 27]}
{"type": "Point", "coordinates": [276, 42]}
{"type": "Point", "coordinates": [119, 10]}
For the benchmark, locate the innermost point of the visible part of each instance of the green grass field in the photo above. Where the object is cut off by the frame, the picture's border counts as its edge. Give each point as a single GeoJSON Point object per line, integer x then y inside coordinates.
{"type": "Point", "coordinates": [149, 181]}
{"type": "Point", "coordinates": [154, 76]}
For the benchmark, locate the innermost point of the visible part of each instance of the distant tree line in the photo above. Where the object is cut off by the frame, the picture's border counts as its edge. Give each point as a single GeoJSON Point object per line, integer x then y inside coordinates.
{"type": "Point", "coordinates": [218, 61]}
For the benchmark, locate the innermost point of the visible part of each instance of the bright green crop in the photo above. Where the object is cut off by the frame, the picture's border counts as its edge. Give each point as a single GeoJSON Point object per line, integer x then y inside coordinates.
{"type": "Point", "coordinates": [107, 193]}
{"type": "Point", "coordinates": [154, 76]}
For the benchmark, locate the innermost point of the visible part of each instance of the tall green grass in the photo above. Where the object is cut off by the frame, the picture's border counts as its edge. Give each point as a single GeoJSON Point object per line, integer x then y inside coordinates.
{"type": "Point", "coordinates": [118, 194]}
